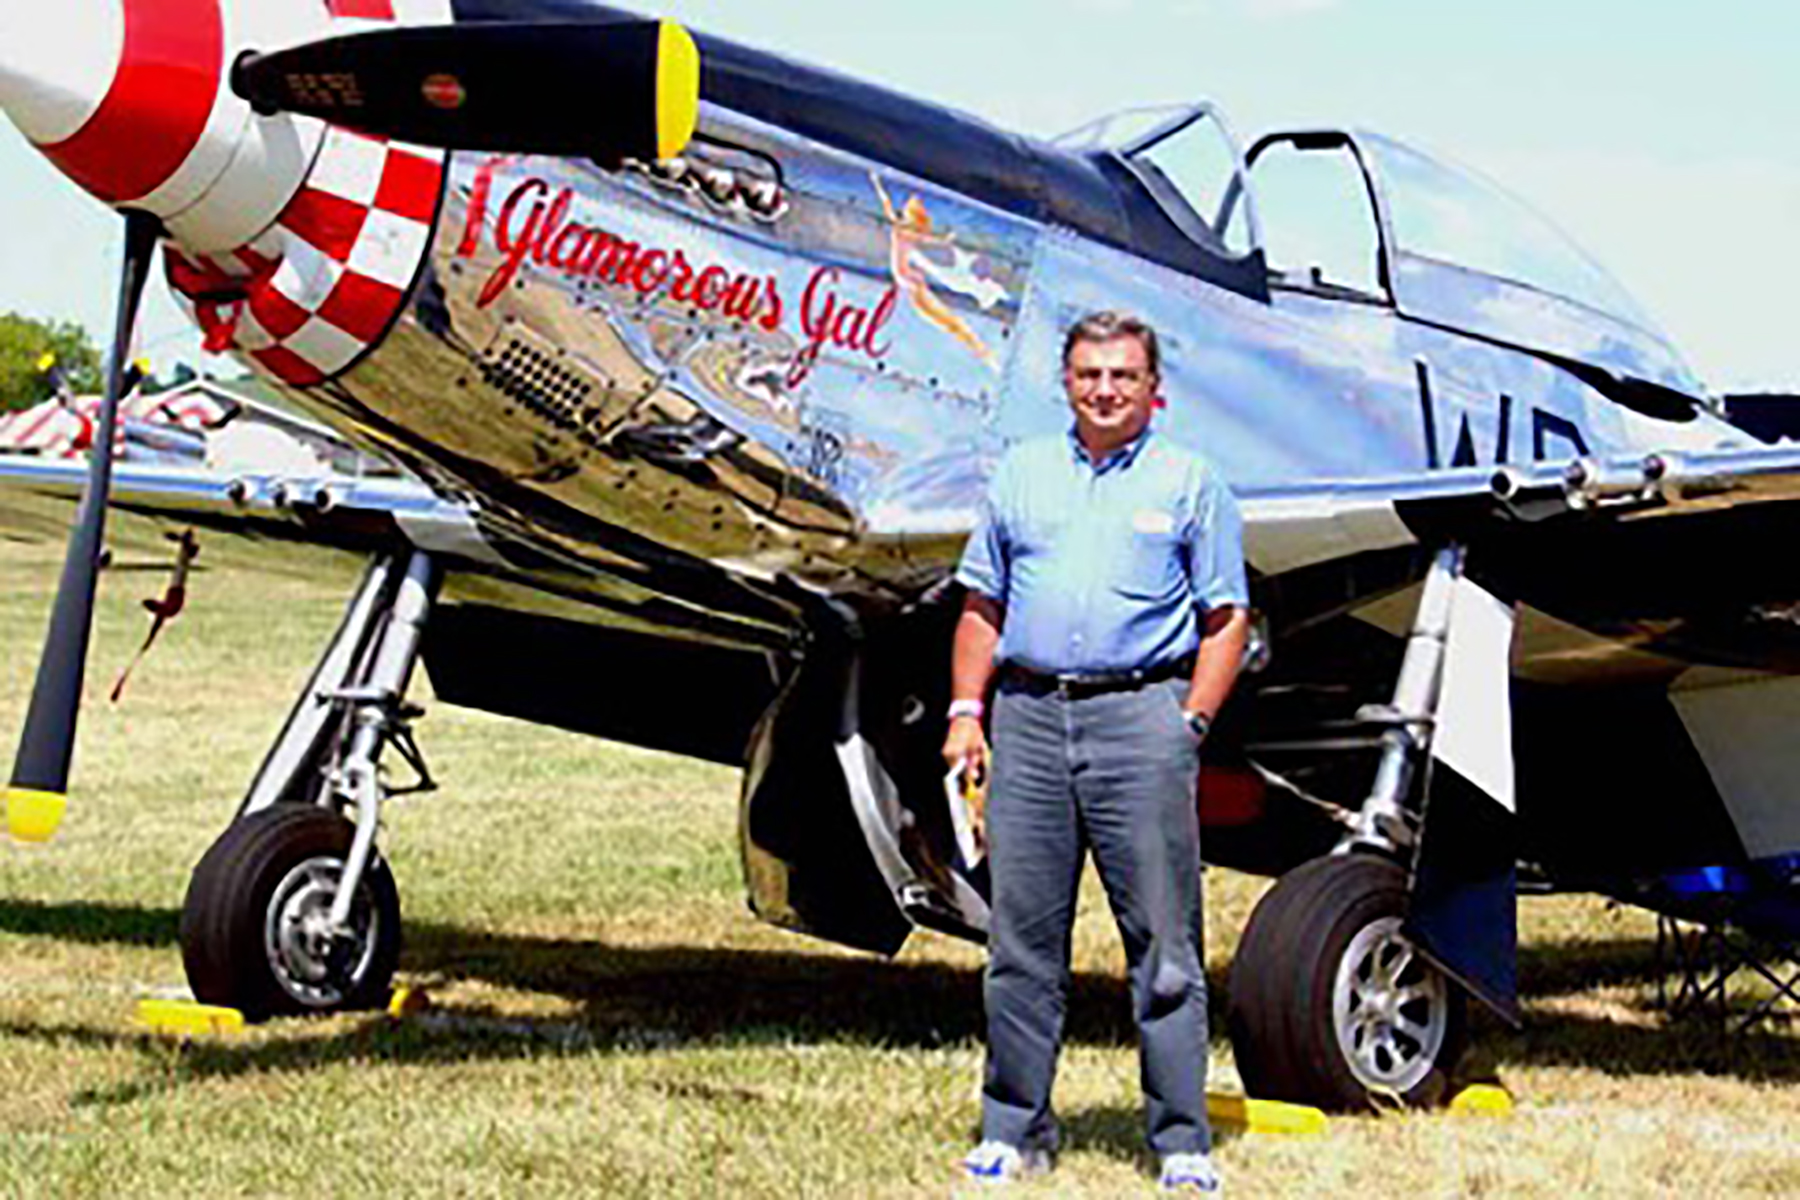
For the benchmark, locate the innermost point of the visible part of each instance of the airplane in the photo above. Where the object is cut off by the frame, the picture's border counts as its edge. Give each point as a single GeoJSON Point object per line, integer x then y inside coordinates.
{"type": "Point", "coordinates": [697, 360]}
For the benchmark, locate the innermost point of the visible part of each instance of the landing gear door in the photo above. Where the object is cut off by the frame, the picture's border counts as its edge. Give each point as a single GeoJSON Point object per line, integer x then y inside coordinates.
{"type": "Point", "coordinates": [890, 749]}
{"type": "Point", "coordinates": [847, 833]}
{"type": "Point", "coordinates": [932, 883]}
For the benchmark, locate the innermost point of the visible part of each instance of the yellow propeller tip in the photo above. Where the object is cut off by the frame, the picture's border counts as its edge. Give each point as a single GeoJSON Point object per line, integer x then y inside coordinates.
{"type": "Point", "coordinates": [34, 816]}
{"type": "Point", "coordinates": [677, 89]}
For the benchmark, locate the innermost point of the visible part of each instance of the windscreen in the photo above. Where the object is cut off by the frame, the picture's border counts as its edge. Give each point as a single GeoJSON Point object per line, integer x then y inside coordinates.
{"type": "Point", "coordinates": [1189, 162]}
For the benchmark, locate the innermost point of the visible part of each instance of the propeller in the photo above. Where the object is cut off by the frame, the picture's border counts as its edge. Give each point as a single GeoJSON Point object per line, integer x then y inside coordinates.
{"type": "Point", "coordinates": [38, 793]}
{"type": "Point", "coordinates": [600, 89]}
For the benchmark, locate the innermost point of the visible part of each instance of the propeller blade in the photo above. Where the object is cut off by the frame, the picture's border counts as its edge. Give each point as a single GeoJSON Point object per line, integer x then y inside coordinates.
{"type": "Point", "coordinates": [599, 89]}
{"type": "Point", "coordinates": [40, 779]}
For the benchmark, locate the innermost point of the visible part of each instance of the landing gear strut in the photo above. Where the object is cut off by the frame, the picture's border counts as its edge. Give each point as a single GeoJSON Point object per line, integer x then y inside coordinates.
{"type": "Point", "coordinates": [293, 909]}
{"type": "Point", "coordinates": [1331, 1004]}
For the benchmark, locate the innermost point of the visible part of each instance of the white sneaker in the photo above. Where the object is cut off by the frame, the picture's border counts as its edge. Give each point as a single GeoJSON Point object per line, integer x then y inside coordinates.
{"type": "Point", "coordinates": [1190, 1173]}
{"type": "Point", "coordinates": [999, 1162]}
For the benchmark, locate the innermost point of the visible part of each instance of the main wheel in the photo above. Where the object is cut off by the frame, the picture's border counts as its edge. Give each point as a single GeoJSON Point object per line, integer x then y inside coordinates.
{"type": "Point", "coordinates": [253, 927]}
{"type": "Point", "coordinates": [1330, 1005]}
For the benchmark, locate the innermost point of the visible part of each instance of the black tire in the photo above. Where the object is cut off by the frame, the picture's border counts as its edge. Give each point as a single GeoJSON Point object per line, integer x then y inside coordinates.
{"type": "Point", "coordinates": [1322, 947]}
{"type": "Point", "coordinates": [241, 938]}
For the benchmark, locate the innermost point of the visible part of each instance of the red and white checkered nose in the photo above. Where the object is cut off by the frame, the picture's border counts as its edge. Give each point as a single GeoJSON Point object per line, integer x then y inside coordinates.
{"type": "Point", "coordinates": [322, 279]}
{"type": "Point", "coordinates": [295, 246]}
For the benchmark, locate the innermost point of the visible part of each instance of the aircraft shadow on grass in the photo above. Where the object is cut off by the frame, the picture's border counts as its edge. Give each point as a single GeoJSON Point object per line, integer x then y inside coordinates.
{"type": "Point", "coordinates": [651, 998]}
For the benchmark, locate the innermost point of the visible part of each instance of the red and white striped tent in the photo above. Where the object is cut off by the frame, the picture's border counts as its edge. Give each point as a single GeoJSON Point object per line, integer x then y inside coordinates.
{"type": "Point", "coordinates": [65, 428]}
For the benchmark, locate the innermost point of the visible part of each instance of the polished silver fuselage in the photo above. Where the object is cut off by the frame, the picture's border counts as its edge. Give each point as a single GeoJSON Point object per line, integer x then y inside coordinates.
{"type": "Point", "coordinates": [665, 391]}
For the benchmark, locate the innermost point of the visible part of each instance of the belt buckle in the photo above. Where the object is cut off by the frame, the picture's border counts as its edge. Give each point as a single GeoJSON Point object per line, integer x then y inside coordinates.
{"type": "Point", "coordinates": [1075, 687]}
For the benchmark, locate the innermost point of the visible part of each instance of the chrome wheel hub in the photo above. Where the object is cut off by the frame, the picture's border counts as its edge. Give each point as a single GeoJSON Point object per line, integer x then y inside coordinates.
{"type": "Point", "coordinates": [1390, 1009]}
{"type": "Point", "coordinates": [312, 965]}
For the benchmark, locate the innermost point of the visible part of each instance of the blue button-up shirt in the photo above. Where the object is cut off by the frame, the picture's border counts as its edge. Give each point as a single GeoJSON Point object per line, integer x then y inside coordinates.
{"type": "Point", "coordinates": [1106, 566]}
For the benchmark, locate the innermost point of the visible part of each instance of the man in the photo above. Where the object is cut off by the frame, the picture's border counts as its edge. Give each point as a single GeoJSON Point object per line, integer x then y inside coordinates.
{"type": "Point", "coordinates": [1106, 589]}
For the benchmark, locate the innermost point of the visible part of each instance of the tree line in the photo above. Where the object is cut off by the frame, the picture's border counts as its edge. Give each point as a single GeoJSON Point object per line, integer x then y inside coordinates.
{"type": "Point", "coordinates": [24, 344]}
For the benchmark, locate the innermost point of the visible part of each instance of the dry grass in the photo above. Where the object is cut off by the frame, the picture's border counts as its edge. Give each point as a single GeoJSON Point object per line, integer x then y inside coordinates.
{"type": "Point", "coordinates": [611, 1020]}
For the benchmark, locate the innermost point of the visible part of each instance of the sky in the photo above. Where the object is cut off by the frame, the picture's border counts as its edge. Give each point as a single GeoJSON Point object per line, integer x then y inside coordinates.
{"type": "Point", "coordinates": [1660, 134]}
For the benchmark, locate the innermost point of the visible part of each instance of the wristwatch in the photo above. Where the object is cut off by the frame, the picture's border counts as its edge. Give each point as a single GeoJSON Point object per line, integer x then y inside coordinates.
{"type": "Point", "coordinates": [1198, 723]}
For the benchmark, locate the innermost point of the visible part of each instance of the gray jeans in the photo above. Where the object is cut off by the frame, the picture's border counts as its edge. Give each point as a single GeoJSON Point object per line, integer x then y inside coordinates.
{"type": "Point", "coordinates": [1115, 772]}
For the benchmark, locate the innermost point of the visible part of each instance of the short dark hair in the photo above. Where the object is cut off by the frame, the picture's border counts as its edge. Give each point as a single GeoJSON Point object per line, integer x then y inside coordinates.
{"type": "Point", "coordinates": [1105, 326]}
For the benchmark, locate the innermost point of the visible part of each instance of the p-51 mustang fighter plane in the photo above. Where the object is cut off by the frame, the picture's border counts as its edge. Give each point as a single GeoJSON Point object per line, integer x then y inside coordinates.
{"type": "Point", "coordinates": [702, 359]}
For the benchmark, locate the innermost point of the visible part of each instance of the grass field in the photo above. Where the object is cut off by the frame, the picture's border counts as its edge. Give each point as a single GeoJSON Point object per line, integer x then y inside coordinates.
{"type": "Point", "coordinates": [610, 1020]}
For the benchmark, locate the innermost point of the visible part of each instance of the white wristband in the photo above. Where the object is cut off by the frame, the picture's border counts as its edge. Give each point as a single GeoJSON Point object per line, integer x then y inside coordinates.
{"type": "Point", "coordinates": [967, 708]}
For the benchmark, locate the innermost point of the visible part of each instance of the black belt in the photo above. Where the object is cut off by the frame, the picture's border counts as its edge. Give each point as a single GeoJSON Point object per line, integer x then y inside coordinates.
{"type": "Point", "coordinates": [1078, 686]}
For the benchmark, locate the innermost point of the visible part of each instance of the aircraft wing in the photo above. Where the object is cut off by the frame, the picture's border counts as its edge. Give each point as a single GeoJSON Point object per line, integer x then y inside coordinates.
{"type": "Point", "coordinates": [357, 513]}
{"type": "Point", "coordinates": [1689, 553]}
{"type": "Point", "coordinates": [1290, 527]}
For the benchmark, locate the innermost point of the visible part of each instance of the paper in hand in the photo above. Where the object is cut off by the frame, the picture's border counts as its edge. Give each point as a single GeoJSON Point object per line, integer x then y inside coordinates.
{"type": "Point", "coordinates": [957, 789]}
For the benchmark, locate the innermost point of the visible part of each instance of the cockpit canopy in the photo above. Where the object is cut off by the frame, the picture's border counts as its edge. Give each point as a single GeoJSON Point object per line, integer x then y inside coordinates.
{"type": "Point", "coordinates": [1454, 216]}
{"type": "Point", "coordinates": [1360, 216]}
